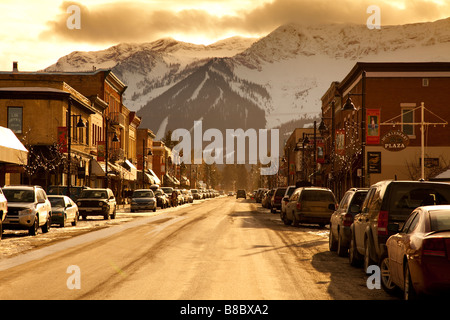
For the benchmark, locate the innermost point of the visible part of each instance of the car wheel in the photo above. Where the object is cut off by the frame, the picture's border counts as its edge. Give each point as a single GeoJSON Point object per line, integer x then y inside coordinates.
{"type": "Point", "coordinates": [353, 255]}
{"type": "Point", "coordinates": [332, 242]}
{"type": "Point", "coordinates": [285, 220]}
{"type": "Point", "coordinates": [367, 259]}
{"type": "Point", "coordinates": [295, 221]}
{"type": "Point", "coordinates": [46, 227]}
{"type": "Point", "coordinates": [154, 210]}
{"type": "Point", "coordinates": [408, 290]}
{"type": "Point", "coordinates": [114, 214]}
{"type": "Point", "coordinates": [342, 250]}
{"type": "Point", "coordinates": [386, 279]}
{"type": "Point", "coordinates": [34, 228]}
{"type": "Point", "coordinates": [75, 220]}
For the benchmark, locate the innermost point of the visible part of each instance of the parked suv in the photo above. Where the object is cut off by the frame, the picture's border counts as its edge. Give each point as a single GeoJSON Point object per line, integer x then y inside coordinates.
{"type": "Point", "coordinates": [28, 209]}
{"type": "Point", "coordinates": [276, 198]}
{"type": "Point", "coordinates": [3, 210]}
{"type": "Point", "coordinates": [342, 219]}
{"type": "Point", "coordinates": [385, 209]}
{"type": "Point", "coordinates": [310, 205]}
{"type": "Point", "coordinates": [97, 202]}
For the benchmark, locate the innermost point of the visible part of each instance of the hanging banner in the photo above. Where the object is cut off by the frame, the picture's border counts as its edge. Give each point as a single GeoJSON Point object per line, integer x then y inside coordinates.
{"type": "Point", "coordinates": [340, 142]}
{"type": "Point", "coordinates": [373, 126]}
{"type": "Point", "coordinates": [320, 151]}
{"type": "Point", "coordinates": [62, 139]}
{"type": "Point", "coordinates": [101, 149]}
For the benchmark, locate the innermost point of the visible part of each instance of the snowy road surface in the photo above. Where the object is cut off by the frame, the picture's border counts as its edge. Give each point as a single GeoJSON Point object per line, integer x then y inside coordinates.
{"type": "Point", "coordinates": [223, 248]}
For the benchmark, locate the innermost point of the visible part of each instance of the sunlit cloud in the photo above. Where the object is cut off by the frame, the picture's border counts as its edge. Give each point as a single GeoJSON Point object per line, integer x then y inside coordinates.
{"type": "Point", "coordinates": [135, 21]}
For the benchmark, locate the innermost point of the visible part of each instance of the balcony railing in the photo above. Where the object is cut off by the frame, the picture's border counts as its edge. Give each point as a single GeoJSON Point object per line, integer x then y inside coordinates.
{"type": "Point", "coordinates": [117, 119]}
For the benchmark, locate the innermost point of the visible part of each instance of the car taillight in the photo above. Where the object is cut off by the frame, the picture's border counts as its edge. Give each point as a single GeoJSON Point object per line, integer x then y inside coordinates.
{"type": "Point", "coordinates": [383, 218]}
{"type": "Point", "coordinates": [434, 247]}
{"type": "Point", "coordinates": [299, 206]}
{"type": "Point", "coordinates": [348, 220]}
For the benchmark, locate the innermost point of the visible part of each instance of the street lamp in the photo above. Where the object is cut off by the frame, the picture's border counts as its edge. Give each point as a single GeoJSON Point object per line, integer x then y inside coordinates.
{"type": "Point", "coordinates": [149, 153]}
{"type": "Point", "coordinates": [114, 139]}
{"type": "Point", "coordinates": [80, 124]}
{"type": "Point", "coordinates": [349, 106]}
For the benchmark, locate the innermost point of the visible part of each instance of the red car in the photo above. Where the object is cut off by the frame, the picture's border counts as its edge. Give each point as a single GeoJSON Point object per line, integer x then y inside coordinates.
{"type": "Point", "coordinates": [419, 255]}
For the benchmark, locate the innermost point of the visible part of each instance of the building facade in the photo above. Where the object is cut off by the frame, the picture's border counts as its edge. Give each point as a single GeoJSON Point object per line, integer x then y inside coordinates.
{"type": "Point", "coordinates": [386, 121]}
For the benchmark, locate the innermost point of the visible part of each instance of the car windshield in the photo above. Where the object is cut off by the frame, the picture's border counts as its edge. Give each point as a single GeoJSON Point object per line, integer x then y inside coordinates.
{"type": "Point", "coordinates": [94, 194]}
{"type": "Point", "coordinates": [14, 195]}
{"type": "Point", "coordinates": [56, 202]}
{"type": "Point", "coordinates": [280, 192]}
{"type": "Point", "coordinates": [439, 220]}
{"type": "Point", "coordinates": [143, 194]}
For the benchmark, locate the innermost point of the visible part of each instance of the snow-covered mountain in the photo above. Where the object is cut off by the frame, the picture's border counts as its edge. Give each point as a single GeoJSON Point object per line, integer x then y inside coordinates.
{"type": "Point", "coordinates": [259, 83]}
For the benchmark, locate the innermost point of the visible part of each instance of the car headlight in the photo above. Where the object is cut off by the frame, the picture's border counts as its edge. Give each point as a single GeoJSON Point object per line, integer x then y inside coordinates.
{"type": "Point", "coordinates": [100, 204]}
{"type": "Point", "coordinates": [79, 203]}
{"type": "Point", "coordinates": [25, 212]}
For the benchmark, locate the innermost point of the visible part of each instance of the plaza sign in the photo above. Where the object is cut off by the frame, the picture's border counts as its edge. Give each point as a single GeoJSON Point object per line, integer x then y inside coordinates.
{"type": "Point", "coordinates": [395, 140]}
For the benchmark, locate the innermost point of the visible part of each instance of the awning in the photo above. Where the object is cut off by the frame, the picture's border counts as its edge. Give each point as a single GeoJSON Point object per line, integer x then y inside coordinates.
{"type": "Point", "coordinates": [170, 180]}
{"type": "Point", "coordinates": [155, 177]}
{"type": "Point", "coordinates": [148, 178]}
{"type": "Point", "coordinates": [96, 168]}
{"type": "Point", "coordinates": [129, 171]}
{"type": "Point", "coordinates": [11, 149]}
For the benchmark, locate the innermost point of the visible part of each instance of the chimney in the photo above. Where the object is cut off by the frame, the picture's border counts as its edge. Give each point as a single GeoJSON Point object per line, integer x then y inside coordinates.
{"type": "Point", "coordinates": [15, 67]}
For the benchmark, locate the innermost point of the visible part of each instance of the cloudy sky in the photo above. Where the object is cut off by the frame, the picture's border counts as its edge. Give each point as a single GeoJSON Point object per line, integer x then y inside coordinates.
{"type": "Point", "coordinates": [36, 33]}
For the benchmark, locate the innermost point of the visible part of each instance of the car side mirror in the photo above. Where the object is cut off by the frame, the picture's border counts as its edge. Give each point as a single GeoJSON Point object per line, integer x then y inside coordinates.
{"type": "Point", "coordinates": [41, 201]}
{"type": "Point", "coordinates": [111, 198]}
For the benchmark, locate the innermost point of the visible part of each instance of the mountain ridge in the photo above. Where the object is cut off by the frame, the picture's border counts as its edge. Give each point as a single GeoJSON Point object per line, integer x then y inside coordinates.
{"type": "Point", "coordinates": [283, 74]}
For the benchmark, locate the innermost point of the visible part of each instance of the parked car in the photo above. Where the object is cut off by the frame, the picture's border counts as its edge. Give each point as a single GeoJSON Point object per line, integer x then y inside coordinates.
{"type": "Point", "coordinates": [196, 194]}
{"type": "Point", "coordinates": [265, 202]}
{"type": "Point", "coordinates": [162, 200]}
{"type": "Point", "coordinates": [310, 205]}
{"type": "Point", "coordinates": [75, 191]}
{"type": "Point", "coordinates": [3, 210]}
{"type": "Point", "coordinates": [64, 209]}
{"type": "Point", "coordinates": [342, 219]}
{"type": "Point", "coordinates": [143, 199]}
{"type": "Point", "coordinates": [275, 199]}
{"type": "Point", "coordinates": [190, 196]}
{"type": "Point", "coordinates": [241, 194]}
{"type": "Point", "coordinates": [418, 258]}
{"type": "Point", "coordinates": [28, 209]}
{"type": "Point", "coordinates": [287, 194]}
{"type": "Point", "coordinates": [259, 194]}
{"type": "Point", "coordinates": [97, 202]}
{"type": "Point", "coordinates": [385, 209]}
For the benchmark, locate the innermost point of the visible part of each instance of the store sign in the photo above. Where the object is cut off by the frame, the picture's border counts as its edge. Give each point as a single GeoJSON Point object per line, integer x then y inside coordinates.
{"type": "Point", "coordinates": [395, 141]}
{"type": "Point", "coordinates": [374, 162]}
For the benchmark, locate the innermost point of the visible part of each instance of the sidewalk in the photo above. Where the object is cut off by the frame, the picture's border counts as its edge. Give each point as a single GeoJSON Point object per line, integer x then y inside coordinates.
{"type": "Point", "coordinates": [123, 208]}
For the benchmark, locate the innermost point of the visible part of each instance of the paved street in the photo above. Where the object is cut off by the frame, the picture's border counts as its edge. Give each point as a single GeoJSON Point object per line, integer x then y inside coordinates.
{"type": "Point", "coordinates": [222, 248]}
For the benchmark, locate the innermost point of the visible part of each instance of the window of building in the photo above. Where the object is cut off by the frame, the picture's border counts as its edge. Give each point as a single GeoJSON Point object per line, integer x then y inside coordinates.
{"type": "Point", "coordinates": [408, 117]}
{"type": "Point", "coordinates": [15, 119]}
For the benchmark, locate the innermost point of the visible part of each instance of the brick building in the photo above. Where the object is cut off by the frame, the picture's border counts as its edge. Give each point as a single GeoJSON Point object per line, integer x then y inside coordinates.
{"type": "Point", "coordinates": [372, 122]}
